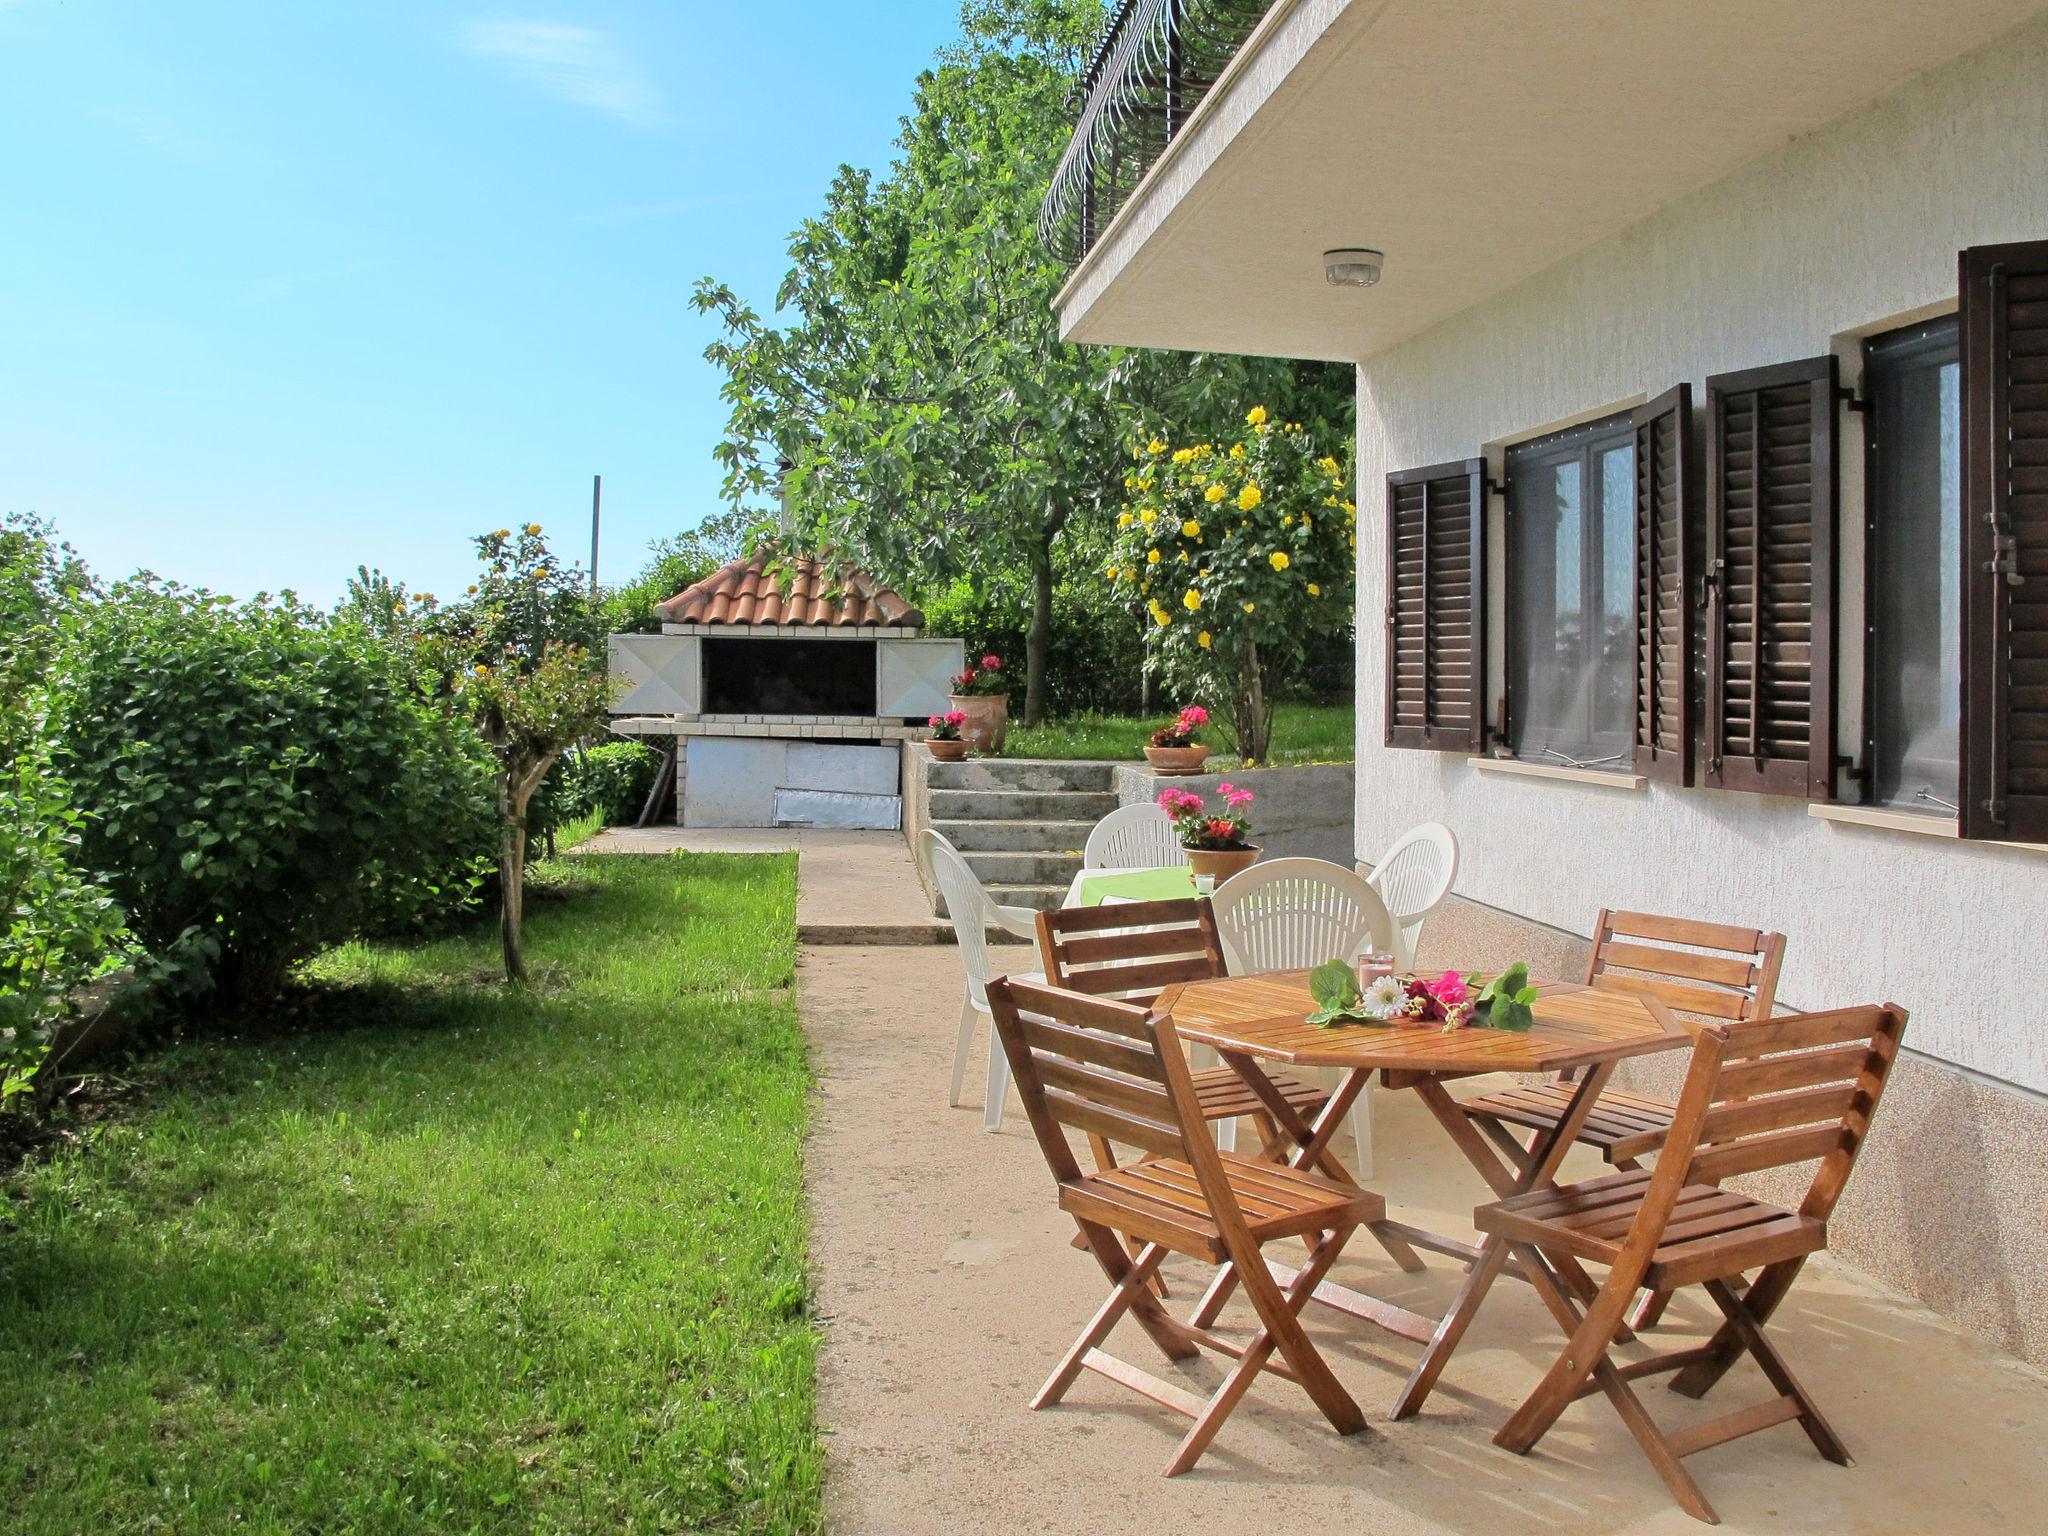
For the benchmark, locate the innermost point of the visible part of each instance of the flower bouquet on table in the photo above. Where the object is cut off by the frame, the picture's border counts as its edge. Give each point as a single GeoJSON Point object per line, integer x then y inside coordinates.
{"type": "Point", "coordinates": [1455, 1001]}
{"type": "Point", "coordinates": [1218, 844]}
{"type": "Point", "coordinates": [981, 692]}
{"type": "Point", "coordinates": [1175, 747]}
{"type": "Point", "coordinates": [945, 742]}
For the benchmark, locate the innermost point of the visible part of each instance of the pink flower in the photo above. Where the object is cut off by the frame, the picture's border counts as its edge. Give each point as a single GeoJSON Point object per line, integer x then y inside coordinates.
{"type": "Point", "coordinates": [956, 717]}
{"type": "Point", "coordinates": [1236, 797]}
{"type": "Point", "coordinates": [1450, 991]}
{"type": "Point", "coordinates": [935, 722]}
{"type": "Point", "coordinates": [1194, 715]}
{"type": "Point", "coordinates": [991, 663]}
{"type": "Point", "coordinates": [1178, 802]}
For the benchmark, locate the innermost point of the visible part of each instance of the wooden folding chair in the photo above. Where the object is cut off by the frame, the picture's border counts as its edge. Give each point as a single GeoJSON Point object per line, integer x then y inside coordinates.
{"type": "Point", "coordinates": [1759, 1094]}
{"type": "Point", "coordinates": [1709, 970]}
{"type": "Point", "coordinates": [1108, 1069]}
{"type": "Point", "coordinates": [1131, 951]}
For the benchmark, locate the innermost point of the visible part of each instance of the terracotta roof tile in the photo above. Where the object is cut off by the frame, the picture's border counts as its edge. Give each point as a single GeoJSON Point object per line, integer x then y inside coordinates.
{"type": "Point", "coordinates": [795, 591]}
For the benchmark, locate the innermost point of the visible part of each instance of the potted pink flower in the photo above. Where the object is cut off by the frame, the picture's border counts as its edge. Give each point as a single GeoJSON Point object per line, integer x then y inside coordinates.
{"type": "Point", "coordinates": [1218, 843]}
{"type": "Point", "coordinates": [944, 742]}
{"type": "Point", "coordinates": [1175, 748]}
{"type": "Point", "coordinates": [982, 694]}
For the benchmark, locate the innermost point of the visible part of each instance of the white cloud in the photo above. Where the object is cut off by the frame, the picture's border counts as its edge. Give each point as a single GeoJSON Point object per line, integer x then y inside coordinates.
{"type": "Point", "coordinates": [575, 64]}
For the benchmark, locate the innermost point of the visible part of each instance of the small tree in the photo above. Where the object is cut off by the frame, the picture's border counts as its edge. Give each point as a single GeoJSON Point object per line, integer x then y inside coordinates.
{"type": "Point", "coordinates": [517, 656]}
{"type": "Point", "coordinates": [1239, 551]}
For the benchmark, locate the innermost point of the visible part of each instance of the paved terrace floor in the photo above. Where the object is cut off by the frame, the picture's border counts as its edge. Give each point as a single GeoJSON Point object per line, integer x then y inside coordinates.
{"type": "Point", "coordinates": [947, 1291]}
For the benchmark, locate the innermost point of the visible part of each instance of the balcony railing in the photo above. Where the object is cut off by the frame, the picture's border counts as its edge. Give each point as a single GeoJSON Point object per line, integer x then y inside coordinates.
{"type": "Point", "coordinates": [1156, 61]}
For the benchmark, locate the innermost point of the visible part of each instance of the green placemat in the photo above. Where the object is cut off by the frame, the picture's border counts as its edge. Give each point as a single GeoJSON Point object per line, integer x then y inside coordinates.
{"type": "Point", "coordinates": [1139, 885]}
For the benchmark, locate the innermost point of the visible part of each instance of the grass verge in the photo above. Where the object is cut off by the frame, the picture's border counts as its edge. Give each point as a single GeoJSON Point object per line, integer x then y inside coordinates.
{"type": "Point", "coordinates": [423, 1254]}
{"type": "Point", "coordinates": [1302, 733]}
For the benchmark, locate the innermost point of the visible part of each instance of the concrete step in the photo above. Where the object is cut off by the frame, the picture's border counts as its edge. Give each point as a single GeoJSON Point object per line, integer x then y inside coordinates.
{"type": "Point", "coordinates": [1023, 868]}
{"type": "Point", "coordinates": [1023, 774]}
{"type": "Point", "coordinates": [1040, 898]}
{"type": "Point", "coordinates": [1015, 836]}
{"type": "Point", "coordinates": [1020, 805]}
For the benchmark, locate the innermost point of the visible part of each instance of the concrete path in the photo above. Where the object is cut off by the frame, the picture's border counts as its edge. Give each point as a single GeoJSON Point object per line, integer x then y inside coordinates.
{"type": "Point", "coordinates": [948, 1290]}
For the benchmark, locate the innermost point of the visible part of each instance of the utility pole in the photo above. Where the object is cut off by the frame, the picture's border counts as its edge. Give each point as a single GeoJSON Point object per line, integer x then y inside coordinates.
{"type": "Point", "coordinates": [596, 513]}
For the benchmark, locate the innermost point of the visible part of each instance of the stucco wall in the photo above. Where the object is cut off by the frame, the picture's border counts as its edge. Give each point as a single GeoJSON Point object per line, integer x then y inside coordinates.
{"type": "Point", "coordinates": [1848, 230]}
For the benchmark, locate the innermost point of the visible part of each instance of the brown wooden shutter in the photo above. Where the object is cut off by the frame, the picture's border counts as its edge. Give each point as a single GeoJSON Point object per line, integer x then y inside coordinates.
{"type": "Point", "coordinates": [1667, 503]}
{"type": "Point", "coordinates": [2004, 743]}
{"type": "Point", "coordinates": [1770, 697]}
{"type": "Point", "coordinates": [1436, 607]}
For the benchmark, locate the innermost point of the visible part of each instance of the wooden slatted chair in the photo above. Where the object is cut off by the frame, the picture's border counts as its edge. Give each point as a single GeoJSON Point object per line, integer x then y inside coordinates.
{"type": "Point", "coordinates": [1710, 970]}
{"type": "Point", "coordinates": [1759, 1094]}
{"type": "Point", "coordinates": [1131, 951]}
{"type": "Point", "coordinates": [1111, 1070]}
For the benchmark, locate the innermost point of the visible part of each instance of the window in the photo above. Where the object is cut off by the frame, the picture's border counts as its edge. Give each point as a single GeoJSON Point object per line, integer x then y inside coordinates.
{"type": "Point", "coordinates": [1571, 596]}
{"type": "Point", "coordinates": [1912, 379]}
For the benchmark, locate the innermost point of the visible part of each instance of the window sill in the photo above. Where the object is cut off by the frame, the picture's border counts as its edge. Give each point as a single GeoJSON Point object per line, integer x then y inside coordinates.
{"type": "Point", "coordinates": [1913, 822]}
{"type": "Point", "coordinates": [1605, 778]}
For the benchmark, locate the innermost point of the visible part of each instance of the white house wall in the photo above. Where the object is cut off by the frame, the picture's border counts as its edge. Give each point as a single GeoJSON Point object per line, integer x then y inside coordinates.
{"type": "Point", "coordinates": [1844, 231]}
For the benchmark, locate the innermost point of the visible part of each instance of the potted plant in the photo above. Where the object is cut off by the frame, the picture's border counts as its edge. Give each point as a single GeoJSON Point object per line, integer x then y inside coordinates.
{"type": "Point", "coordinates": [944, 741]}
{"type": "Point", "coordinates": [981, 694]}
{"type": "Point", "coordinates": [1173, 749]}
{"type": "Point", "coordinates": [1217, 843]}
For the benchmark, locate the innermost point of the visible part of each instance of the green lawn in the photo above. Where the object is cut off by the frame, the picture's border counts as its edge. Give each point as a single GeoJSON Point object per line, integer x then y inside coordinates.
{"type": "Point", "coordinates": [428, 1255]}
{"type": "Point", "coordinates": [1302, 733]}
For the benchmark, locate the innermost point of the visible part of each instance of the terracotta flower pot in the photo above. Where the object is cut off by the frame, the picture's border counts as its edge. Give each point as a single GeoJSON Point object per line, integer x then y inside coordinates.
{"type": "Point", "coordinates": [1172, 762]}
{"type": "Point", "coordinates": [1219, 864]}
{"type": "Point", "coordinates": [988, 719]}
{"type": "Point", "coordinates": [946, 751]}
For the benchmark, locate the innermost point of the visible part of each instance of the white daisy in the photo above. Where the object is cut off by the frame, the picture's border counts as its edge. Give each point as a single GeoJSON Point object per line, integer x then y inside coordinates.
{"type": "Point", "coordinates": [1386, 998]}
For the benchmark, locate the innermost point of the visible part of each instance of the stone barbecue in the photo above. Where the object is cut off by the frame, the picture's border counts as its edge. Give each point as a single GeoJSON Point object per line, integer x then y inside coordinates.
{"type": "Point", "coordinates": [786, 687]}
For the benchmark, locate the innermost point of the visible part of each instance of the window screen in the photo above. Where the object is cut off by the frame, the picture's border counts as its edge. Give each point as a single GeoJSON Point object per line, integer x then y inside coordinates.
{"type": "Point", "coordinates": [1912, 379]}
{"type": "Point", "coordinates": [1571, 596]}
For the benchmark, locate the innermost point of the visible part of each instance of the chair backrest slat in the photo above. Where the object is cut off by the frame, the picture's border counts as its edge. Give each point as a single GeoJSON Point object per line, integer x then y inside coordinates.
{"type": "Point", "coordinates": [1294, 914]}
{"type": "Point", "coordinates": [1760, 1075]}
{"type": "Point", "coordinates": [1713, 970]}
{"type": "Point", "coordinates": [1087, 1064]}
{"type": "Point", "coordinates": [1130, 950]}
{"type": "Point", "coordinates": [1753, 1154]}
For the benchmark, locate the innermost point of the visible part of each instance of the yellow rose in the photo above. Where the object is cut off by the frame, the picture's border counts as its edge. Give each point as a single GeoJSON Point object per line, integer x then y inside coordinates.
{"type": "Point", "coordinates": [1279, 559]}
{"type": "Point", "coordinates": [1155, 446]}
{"type": "Point", "coordinates": [1287, 521]}
{"type": "Point", "coordinates": [1192, 600]}
{"type": "Point", "coordinates": [502, 533]}
{"type": "Point", "coordinates": [1182, 557]}
{"type": "Point", "coordinates": [1327, 465]}
{"type": "Point", "coordinates": [1214, 494]}
{"type": "Point", "coordinates": [1314, 590]}
{"type": "Point", "coordinates": [1130, 573]}
{"type": "Point", "coordinates": [1203, 640]}
{"type": "Point", "coordinates": [1256, 415]}
{"type": "Point", "coordinates": [1251, 607]}
{"type": "Point", "coordinates": [1237, 450]}
{"type": "Point", "coordinates": [1151, 557]}
{"type": "Point", "coordinates": [1183, 455]}
{"type": "Point", "coordinates": [1147, 516]}
{"type": "Point", "coordinates": [1162, 616]}
{"type": "Point", "coordinates": [1191, 529]}
{"type": "Point", "coordinates": [533, 529]}
{"type": "Point", "coordinates": [1249, 497]}
{"type": "Point", "coordinates": [1306, 525]}
{"type": "Point", "coordinates": [1124, 519]}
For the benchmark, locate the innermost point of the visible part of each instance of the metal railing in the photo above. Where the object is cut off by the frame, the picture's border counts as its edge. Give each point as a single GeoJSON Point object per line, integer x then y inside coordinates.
{"type": "Point", "coordinates": [1156, 61]}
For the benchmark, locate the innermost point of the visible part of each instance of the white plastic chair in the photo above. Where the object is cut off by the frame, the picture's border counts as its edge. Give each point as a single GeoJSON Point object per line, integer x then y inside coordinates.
{"type": "Point", "coordinates": [1413, 877]}
{"type": "Point", "coordinates": [973, 910]}
{"type": "Point", "coordinates": [1133, 837]}
{"type": "Point", "coordinates": [1291, 915]}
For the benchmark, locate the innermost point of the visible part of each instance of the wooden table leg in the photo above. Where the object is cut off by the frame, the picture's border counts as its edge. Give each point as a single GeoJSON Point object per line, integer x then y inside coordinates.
{"type": "Point", "coordinates": [1545, 1155]}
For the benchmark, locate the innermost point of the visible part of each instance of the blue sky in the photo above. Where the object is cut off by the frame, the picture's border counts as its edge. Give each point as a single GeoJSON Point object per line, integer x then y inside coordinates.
{"type": "Point", "coordinates": [292, 285]}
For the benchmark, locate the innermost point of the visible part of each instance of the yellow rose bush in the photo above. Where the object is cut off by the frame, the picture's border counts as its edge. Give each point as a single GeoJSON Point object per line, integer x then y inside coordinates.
{"type": "Point", "coordinates": [1239, 552]}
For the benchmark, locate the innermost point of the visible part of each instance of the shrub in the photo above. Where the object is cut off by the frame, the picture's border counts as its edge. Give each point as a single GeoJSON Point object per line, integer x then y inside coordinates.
{"type": "Point", "coordinates": [261, 779]}
{"type": "Point", "coordinates": [1239, 552]}
{"type": "Point", "coordinates": [58, 930]}
{"type": "Point", "coordinates": [611, 779]}
{"type": "Point", "coordinates": [1093, 655]}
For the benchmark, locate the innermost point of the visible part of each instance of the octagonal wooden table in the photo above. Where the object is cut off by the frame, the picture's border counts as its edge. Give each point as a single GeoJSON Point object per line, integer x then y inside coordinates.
{"type": "Point", "coordinates": [1580, 1029]}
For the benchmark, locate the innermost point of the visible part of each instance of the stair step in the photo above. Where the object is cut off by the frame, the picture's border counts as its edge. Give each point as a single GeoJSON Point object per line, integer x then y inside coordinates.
{"type": "Point", "coordinates": [1020, 805]}
{"type": "Point", "coordinates": [1023, 868]}
{"type": "Point", "coordinates": [1023, 774]}
{"type": "Point", "coordinates": [1011, 836]}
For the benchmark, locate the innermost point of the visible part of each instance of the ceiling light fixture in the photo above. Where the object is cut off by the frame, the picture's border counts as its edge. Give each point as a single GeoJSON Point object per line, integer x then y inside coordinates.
{"type": "Point", "coordinates": [1353, 268]}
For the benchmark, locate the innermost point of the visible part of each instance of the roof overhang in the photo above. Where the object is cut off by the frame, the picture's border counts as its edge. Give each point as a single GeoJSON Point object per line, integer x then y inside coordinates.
{"type": "Point", "coordinates": [1476, 142]}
